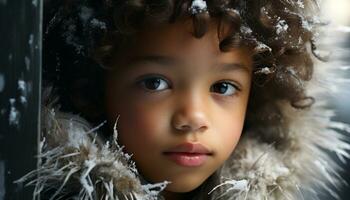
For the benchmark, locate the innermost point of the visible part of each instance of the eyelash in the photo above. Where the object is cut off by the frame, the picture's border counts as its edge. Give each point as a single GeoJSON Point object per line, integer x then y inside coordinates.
{"type": "Point", "coordinates": [142, 83]}
{"type": "Point", "coordinates": [234, 86]}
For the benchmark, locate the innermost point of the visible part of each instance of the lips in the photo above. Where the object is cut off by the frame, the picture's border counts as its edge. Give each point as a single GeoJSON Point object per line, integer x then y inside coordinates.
{"type": "Point", "coordinates": [190, 148]}
{"type": "Point", "coordinates": [189, 154]}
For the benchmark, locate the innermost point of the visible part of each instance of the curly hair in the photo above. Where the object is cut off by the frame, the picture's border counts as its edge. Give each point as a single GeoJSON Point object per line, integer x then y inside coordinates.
{"type": "Point", "coordinates": [81, 37]}
{"type": "Point", "coordinates": [278, 32]}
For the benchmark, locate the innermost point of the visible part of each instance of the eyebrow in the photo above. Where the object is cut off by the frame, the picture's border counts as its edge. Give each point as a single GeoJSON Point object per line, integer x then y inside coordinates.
{"type": "Point", "coordinates": [162, 60]}
{"type": "Point", "coordinates": [234, 67]}
{"type": "Point", "coordinates": [170, 61]}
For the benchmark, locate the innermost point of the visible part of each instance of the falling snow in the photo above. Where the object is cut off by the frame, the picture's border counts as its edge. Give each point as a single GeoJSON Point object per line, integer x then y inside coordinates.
{"type": "Point", "coordinates": [31, 39]}
{"type": "Point", "coordinates": [98, 24]}
{"type": "Point", "coordinates": [14, 113]}
{"type": "Point", "coordinates": [27, 62]}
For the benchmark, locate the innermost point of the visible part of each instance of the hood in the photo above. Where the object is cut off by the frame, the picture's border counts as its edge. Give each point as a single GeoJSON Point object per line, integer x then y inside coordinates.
{"type": "Point", "coordinates": [293, 164]}
{"type": "Point", "coordinates": [292, 159]}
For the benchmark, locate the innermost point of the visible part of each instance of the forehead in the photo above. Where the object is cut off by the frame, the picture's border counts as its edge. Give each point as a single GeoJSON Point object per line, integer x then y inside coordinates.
{"type": "Point", "coordinates": [177, 40]}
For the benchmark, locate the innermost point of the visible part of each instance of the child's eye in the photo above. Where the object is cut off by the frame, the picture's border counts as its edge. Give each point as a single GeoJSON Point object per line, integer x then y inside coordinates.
{"type": "Point", "coordinates": [154, 83]}
{"type": "Point", "coordinates": [224, 88]}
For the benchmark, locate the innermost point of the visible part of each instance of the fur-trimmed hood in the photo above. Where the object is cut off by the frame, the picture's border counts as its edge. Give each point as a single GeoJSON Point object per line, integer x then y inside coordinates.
{"type": "Point", "coordinates": [290, 163]}
{"type": "Point", "coordinates": [77, 162]}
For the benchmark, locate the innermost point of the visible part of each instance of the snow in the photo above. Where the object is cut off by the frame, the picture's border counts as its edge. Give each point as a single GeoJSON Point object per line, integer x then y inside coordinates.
{"type": "Point", "coordinates": [246, 30]}
{"type": "Point", "coordinates": [98, 24]}
{"type": "Point", "coordinates": [2, 82]}
{"type": "Point", "coordinates": [198, 6]}
{"type": "Point", "coordinates": [31, 39]}
{"type": "Point", "coordinates": [22, 87]}
{"type": "Point", "coordinates": [23, 99]}
{"type": "Point", "coordinates": [264, 70]}
{"type": "Point", "coordinates": [27, 63]}
{"type": "Point", "coordinates": [14, 113]}
{"type": "Point", "coordinates": [300, 3]}
{"type": "Point", "coordinates": [262, 47]}
{"type": "Point", "coordinates": [281, 26]}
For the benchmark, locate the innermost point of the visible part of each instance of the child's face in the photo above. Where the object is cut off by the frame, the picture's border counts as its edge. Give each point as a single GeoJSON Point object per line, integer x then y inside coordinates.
{"type": "Point", "coordinates": [171, 88]}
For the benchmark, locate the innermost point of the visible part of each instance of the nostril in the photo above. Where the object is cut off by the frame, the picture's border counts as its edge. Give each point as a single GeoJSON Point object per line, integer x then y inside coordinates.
{"type": "Point", "coordinates": [190, 121]}
{"type": "Point", "coordinates": [184, 128]}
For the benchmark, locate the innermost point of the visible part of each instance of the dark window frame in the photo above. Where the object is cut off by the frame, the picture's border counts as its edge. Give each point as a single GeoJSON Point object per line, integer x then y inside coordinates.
{"type": "Point", "coordinates": [20, 87]}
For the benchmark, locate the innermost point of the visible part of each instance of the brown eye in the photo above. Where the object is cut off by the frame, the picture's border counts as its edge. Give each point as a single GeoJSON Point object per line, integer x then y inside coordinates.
{"type": "Point", "coordinates": [224, 88]}
{"type": "Point", "coordinates": [154, 83]}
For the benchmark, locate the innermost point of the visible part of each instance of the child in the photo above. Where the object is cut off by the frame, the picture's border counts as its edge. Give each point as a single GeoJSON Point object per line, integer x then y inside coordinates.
{"type": "Point", "coordinates": [207, 99]}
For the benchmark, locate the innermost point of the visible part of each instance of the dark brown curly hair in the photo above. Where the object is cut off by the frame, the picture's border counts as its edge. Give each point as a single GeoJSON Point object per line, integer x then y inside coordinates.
{"type": "Point", "coordinates": [281, 33]}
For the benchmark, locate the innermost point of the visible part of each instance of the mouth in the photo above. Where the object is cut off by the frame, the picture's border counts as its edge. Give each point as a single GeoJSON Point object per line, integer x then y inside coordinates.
{"type": "Point", "coordinates": [189, 154]}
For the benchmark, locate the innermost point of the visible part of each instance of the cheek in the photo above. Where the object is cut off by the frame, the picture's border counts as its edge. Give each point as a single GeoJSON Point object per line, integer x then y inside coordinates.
{"type": "Point", "coordinates": [139, 124]}
{"type": "Point", "coordinates": [229, 131]}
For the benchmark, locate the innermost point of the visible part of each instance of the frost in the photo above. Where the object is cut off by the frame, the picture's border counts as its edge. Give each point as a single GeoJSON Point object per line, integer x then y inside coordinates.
{"type": "Point", "coordinates": [14, 113]}
{"type": "Point", "coordinates": [22, 87]}
{"type": "Point", "coordinates": [198, 6]}
{"type": "Point", "coordinates": [300, 3]}
{"type": "Point", "coordinates": [98, 24]}
{"type": "Point", "coordinates": [2, 82]}
{"type": "Point", "coordinates": [246, 30]}
{"type": "Point", "coordinates": [281, 26]}
{"type": "Point", "coordinates": [262, 47]}
{"type": "Point", "coordinates": [264, 70]}
{"type": "Point", "coordinates": [85, 14]}
{"type": "Point", "coordinates": [23, 99]}
{"type": "Point", "coordinates": [31, 39]}
{"type": "Point", "coordinates": [27, 63]}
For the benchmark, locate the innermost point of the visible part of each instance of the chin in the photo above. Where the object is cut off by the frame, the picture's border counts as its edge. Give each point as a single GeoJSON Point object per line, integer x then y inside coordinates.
{"type": "Point", "coordinates": [183, 186]}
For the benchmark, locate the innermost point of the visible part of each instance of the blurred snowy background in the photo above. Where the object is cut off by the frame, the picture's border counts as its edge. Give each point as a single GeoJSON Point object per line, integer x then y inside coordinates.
{"type": "Point", "coordinates": [338, 11]}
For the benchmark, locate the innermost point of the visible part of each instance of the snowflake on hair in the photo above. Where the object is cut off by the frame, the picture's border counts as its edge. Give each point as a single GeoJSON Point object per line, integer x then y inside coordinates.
{"type": "Point", "coordinates": [198, 6]}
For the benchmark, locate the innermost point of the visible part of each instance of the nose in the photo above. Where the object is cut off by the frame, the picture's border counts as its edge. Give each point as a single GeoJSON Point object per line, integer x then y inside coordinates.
{"type": "Point", "coordinates": [191, 115]}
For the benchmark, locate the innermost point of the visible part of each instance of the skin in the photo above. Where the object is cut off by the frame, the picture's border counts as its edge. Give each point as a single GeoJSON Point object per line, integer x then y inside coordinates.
{"type": "Point", "coordinates": [192, 92]}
